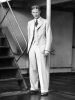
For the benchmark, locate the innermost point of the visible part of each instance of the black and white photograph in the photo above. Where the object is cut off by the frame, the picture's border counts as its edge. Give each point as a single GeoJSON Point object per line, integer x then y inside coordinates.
{"type": "Point", "coordinates": [37, 50]}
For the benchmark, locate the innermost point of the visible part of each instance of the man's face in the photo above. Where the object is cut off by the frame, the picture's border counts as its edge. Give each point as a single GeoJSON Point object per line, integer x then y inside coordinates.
{"type": "Point", "coordinates": [36, 13]}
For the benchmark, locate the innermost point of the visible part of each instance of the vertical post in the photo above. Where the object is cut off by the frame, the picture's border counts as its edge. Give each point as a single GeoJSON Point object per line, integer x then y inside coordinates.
{"type": "Point", "coordinates": [48, 12]}
{"type": "Point", "coordinates": [48, 17]}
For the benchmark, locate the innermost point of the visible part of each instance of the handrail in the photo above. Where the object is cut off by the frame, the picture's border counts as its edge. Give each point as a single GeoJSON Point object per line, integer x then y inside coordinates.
{"type": "Point", "coordinates": [12, 28]}
{"type": "Point", "coordinates": [4, 17]}
{"type": "Point", "coordinates": [16, 21]}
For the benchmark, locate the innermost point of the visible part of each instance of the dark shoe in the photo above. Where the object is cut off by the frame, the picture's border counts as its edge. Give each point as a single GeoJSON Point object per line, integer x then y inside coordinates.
{"type": "Point", "coordinates": [44, 94]}
{"type": "Point", "coordinates": [33, 92]}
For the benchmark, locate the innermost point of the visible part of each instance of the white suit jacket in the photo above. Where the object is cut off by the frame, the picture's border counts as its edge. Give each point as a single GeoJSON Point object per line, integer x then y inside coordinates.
{"type": "Point", "coordinates": [44, 35]}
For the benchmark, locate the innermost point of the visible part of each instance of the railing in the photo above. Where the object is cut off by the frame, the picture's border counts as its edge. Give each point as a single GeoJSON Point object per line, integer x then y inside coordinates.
{"type": "Point", "coordinates": [15, 19]}
{"type": "Point", "coordinates": [4, 15]}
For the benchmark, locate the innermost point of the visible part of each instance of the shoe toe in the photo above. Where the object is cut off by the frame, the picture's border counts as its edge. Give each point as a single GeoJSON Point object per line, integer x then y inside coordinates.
{"type": "Point", "coordinates": [44, 94]}
{"type": "Point", "coordinates": [34, 92]}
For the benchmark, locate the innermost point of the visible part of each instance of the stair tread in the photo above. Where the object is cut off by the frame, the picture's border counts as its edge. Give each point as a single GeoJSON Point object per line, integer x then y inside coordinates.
{"type": "Point", "coordinates": [5, 68]}
{"type": "Point", "coordinates": [6, 57]}
{"type": "Point", "coordinates": [10, 79]}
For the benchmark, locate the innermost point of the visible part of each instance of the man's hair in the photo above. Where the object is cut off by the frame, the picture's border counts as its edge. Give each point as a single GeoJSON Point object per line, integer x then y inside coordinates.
{"type": "Point", "coordinates": [35, 7]}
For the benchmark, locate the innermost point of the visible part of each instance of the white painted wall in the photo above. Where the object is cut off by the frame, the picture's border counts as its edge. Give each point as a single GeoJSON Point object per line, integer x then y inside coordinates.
{"type": "Point", "coordinates": [62, 29]}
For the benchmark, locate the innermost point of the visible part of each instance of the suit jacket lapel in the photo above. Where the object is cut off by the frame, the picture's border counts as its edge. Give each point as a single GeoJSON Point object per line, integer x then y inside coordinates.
{"type": "Point", "coordinates": [32, 34]}
{"type": "Point", "coordinates": [32, 25]}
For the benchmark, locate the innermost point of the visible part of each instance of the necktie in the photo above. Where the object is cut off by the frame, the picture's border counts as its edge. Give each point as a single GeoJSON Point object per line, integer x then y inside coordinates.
{"type": "Point", "coordinates": [36, 22]}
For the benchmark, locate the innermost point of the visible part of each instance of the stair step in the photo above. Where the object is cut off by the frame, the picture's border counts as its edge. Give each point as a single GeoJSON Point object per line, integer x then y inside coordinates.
{"type": "Point", "coordinates": [10, 79]}
{"type": "Point", "coordinates": [6, 61]}
{"type": "Point", "coordinates": [3, 41]}
{"type": "Point", "coordinates": [8, 85]}
{"type": "Point", "coordinates": [7, 57]}
{"type": "Point", "coordinates": [8, 68]}
{"type": "Point", "coordinates": [4, 50]}
{"type": "Point", "coordinates": [9, 73]}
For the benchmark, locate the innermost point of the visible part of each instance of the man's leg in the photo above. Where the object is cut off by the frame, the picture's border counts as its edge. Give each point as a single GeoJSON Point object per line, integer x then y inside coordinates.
{"type": "Point", "coordinates": [33, 70]}
{"type": "Point", "coordinates": [43, 70]}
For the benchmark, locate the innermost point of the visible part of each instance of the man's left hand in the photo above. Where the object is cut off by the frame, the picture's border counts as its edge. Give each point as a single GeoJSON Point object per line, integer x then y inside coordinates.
{"type": "Point", "coordinates": [46, 53]}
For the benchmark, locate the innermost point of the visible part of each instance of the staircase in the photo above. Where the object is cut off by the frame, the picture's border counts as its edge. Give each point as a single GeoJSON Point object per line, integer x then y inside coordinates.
{"type": "Point", "coordinates": [11, 80]}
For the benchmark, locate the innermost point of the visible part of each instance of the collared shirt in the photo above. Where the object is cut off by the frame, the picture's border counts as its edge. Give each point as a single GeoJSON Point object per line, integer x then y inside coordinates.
{"type": "Point", "coordinates": [37, 20]}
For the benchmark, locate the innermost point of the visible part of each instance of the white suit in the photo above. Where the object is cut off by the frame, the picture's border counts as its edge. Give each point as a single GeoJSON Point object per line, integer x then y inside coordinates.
{"type": "Point", "coordinates": [39, 39]}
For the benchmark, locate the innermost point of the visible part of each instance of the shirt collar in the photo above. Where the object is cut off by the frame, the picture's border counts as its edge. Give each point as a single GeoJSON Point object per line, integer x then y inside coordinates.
{"type": "Point", "coordinates": [38, 19]}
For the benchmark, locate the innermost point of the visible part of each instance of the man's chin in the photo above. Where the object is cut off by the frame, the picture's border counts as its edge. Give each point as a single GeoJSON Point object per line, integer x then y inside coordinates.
{"type": "Point", "coordinates": [36, 17]}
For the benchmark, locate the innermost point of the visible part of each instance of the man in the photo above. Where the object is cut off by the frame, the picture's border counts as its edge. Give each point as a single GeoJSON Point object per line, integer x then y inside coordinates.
{"type": "Point", "coordinates": [39, 45]}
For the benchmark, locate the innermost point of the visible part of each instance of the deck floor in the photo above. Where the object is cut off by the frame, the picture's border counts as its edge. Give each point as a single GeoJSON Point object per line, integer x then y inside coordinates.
{"type": "Point", "coordinates": [51, 96]}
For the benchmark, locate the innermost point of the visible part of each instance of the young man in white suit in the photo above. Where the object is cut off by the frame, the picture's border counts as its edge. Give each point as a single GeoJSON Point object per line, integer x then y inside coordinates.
{"type": "Point", "coordinates": [39, 45]}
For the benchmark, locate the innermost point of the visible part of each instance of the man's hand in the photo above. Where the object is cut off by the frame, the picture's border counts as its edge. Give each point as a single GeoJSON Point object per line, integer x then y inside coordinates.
{"type": "Point", "coordinates": [46, 53]}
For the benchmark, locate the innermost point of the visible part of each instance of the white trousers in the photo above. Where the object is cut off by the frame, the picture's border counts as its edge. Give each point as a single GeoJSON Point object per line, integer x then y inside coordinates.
{"type": "Point", "coordinates": [39, 71]}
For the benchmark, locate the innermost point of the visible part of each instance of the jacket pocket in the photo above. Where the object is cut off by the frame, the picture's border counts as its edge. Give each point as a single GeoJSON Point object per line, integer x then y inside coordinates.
{"type": "Point", "coordinates": [42, 48]}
